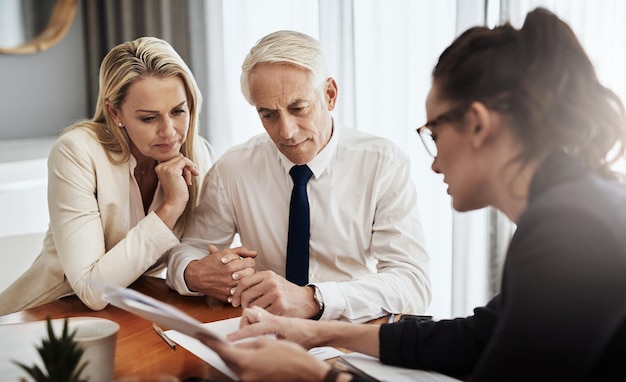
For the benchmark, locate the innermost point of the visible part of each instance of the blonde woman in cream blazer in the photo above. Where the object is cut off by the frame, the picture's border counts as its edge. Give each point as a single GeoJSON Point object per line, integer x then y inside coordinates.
{"type": "Point", "coordinates": [121, 186]}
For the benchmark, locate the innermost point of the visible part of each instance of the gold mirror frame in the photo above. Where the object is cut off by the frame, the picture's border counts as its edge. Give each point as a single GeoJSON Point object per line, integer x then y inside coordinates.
{"type": "Point", "coordinates": [60, 22]}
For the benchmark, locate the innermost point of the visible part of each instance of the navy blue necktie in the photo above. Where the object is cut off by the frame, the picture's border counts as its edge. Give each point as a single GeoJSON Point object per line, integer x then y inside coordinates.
{"type": "Point", "coordinates": [299, 227]}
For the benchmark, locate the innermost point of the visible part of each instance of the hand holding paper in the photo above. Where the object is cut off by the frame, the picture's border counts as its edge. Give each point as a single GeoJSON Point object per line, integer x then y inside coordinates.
{"type": "Point", "coordinates": [206, 340]}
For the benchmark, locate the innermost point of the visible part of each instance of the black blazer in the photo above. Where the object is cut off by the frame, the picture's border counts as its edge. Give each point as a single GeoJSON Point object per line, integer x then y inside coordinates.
{"type": "Point", "coordinates": [561, 313]}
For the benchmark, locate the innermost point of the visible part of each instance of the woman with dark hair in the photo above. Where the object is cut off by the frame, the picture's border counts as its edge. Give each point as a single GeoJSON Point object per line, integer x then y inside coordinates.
{"type": "Point", "coordinates": [519, 121]}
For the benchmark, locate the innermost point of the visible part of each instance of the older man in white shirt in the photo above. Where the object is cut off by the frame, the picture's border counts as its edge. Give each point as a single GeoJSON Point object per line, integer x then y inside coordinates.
{"type": "Point", "coordinates": [366, 252]}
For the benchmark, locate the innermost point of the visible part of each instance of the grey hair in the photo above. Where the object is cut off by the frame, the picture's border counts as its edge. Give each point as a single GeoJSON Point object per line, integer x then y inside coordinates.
{"type": "Point", "coordinates": [286, 47]}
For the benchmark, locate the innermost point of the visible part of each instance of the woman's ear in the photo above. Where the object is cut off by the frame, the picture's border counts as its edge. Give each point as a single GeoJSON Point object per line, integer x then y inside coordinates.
{"type": "Point", "coordinates": [113, 112]}
{"type": "Point", "coordinates": [483, 123]}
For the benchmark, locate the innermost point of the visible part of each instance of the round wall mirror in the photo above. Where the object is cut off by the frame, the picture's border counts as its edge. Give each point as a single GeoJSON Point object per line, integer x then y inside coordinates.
{"type": "Point", "coordinates": [30, 26]}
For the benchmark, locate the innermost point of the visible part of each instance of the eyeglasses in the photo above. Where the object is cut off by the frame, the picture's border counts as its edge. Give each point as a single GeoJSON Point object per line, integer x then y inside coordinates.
{"type": "Point", "coordinates": [426, 133]}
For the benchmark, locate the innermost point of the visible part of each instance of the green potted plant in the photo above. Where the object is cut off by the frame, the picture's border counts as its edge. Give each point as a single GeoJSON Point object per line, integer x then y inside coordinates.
{"type": "Point", "coordinates": [61, 357]}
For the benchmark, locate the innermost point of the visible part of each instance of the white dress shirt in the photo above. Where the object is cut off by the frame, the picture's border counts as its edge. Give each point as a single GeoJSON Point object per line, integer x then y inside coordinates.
{"type": "Point", "coordinates": [367, 252]}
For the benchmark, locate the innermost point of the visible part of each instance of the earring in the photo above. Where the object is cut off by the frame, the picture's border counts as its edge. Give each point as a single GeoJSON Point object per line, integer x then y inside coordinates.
{"type": "Point", "coordinates": [120, 124]}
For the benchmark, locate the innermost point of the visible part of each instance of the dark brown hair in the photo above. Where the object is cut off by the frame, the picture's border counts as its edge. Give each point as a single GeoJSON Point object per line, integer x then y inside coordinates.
{"type": "Point", "coordinates": [540, 77]}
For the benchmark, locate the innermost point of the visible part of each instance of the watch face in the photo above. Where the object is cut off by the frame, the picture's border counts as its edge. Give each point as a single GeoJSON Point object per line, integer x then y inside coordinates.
{"type": "Point", "coordinates": [319, 298]}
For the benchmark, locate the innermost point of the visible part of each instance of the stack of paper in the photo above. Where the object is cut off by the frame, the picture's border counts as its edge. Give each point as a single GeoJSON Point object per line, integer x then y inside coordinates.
{"type": "Point", "coordinates": [372, 367]}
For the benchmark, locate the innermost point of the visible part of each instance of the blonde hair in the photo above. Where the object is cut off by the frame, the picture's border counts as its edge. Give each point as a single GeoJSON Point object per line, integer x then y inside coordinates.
{"type": "Point", "coordinates": [286, 47]}
{"type": "Point", "coordinates": [124, 65]}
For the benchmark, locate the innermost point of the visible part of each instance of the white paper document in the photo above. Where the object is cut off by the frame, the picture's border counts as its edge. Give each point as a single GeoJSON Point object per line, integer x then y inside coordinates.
{"type": "Point", "coordinates": [385, 373]}
{"type": "Point", "coordinates": [156, 311]}
{"type": "Point", "coordinates": [184, 329]}
{"type": "Point", "coordinates": [226, 327]}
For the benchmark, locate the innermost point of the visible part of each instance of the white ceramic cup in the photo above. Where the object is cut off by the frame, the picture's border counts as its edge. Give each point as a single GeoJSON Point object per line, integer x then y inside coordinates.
{"type": "Point", "coordinates": [97, 336]}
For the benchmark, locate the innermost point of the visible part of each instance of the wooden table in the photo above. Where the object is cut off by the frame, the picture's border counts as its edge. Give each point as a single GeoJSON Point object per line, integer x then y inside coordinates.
{"type": "Point", "coordinates": [140, 354]}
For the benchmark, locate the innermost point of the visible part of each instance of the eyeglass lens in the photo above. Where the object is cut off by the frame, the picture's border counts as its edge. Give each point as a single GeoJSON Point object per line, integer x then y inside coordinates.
{"type": "Point", "coordinates": [426, 136]}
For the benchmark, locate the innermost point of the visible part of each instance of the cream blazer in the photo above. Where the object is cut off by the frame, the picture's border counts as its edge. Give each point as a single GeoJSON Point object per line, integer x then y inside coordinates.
{"type": "Point", "coordinates": [89, 235]}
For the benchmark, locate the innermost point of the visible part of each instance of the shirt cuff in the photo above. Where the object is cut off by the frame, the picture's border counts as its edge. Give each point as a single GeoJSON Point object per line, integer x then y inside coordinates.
{"type": "Point", "coordinates": [176, 280]}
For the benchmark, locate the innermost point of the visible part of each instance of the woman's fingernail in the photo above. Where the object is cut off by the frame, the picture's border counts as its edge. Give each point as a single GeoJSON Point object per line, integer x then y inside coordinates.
{"type": "Point", "coordinates": [232, 291]}
{"type": "Point", "coordinates": [235, 276]}
{"type": "Point", "coordinates": [230, 299]}
{"type": "Point", "coordinates": [224, 260]}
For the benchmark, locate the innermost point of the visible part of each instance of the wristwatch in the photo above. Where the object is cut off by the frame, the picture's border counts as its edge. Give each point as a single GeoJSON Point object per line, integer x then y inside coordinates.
{"type": "Point", "coordinates": [317, 296]}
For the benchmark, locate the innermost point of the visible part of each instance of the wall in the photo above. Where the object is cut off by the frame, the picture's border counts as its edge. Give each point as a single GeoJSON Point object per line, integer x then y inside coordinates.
{"type": "Point", "coordinates": [42, 93]}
